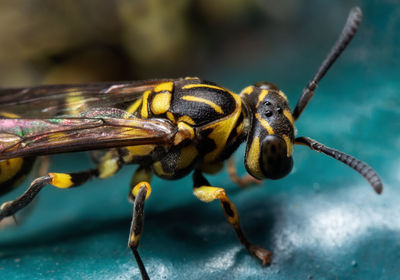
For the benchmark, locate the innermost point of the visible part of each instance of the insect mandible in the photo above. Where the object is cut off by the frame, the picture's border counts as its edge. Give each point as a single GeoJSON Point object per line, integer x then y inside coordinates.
{"type": "Point", "coordinates": [169, 127]}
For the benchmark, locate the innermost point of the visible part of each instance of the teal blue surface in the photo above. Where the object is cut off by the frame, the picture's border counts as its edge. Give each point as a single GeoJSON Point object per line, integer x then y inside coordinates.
{"type": "Point", "coordinates": [323, 221]}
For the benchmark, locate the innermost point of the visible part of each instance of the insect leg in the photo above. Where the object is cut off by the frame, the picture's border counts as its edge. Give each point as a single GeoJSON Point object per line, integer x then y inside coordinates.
{"type": "Point", "coordinates": [242, 181]}
{"type": "Point", "coordinates": [207, 193]}
{"type": "Point", "coordinates": [142, 174]}
{"type": "Point", "coordinates": [59, 180]}
{"type": "Point", "coordinates": [140, 193]}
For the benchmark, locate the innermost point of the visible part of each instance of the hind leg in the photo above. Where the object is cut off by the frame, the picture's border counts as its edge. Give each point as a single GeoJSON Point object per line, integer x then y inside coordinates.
{"type": "Point", "coordinates": [59, 180]}
{"type": "Point", "coordinates": [109, 165]}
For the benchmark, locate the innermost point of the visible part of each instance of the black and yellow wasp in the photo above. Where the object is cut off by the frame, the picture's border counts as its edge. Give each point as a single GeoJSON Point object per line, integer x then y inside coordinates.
{"type": "Point", "coordinates": [169, 127]}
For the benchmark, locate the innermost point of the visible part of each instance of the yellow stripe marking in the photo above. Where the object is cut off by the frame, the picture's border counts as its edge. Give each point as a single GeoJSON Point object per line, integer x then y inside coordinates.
{"type": "Point", "coordinates": [208, 194]}
{"type": "Point", "coordinates": [289, 145]}
{"type": "Point", "coordinates": [204, 85]}
{"type": "Point", "coordinates": [191, 78]}
{"type": "Point", "coordinates": [185, 131]}
{"type": "Point", "coordinates": [222, 129]}
{"type": "Point", "coordinates": [61, 180]}
{"type": "Point", "coordinates": [289, 116]}
{"type": "Point", "coordinates": [144, 113]}
{"type": "Point", "coordinates": [171, 117]}
{"type": "Point", "coordinates": [132, 109]}
{"type": "Point", "coordinates": [168, 86]}
{"type": "Point", "coordinates": [283, 95]}
{"type": "Point", "coordinates": [248, 90]}
{"type": "Point", "coordinates": [253, 158]}
{"type": "Point", "coordinates": [137, 188]}
{"type": "Point", "coordinates": [187, 120]}
{"type": "Point", "coordinates": [265, 124]}
{"type": "Point", "coordinates": [160, 103]}
{"type": "Point", "coordinates": [262, 95]}
{"type": "Point", "coordinates": [216, 107]}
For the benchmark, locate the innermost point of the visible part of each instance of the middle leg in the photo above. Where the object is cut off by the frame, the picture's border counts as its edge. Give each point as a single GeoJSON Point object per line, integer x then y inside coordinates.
{"type": "Point", "coordinates": [207, 193]}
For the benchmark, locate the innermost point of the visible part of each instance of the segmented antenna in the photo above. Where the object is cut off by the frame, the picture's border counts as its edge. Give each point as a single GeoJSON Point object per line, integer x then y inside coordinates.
{"type": "Point", "coordinates": [348, 32]}
{"type": "Point", "coordinates": [361, 167]}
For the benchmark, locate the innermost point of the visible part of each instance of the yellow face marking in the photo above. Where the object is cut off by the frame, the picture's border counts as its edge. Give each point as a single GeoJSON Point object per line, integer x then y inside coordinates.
{"type": "Point", "coordinates": [188, 154]}
{"type": "Point", "coordinates": [216, 107]}
{"type": "Point", "coordinates": [61, 180]}
{"type": "Point", "coordinates": [144, 112]}
{"type": "Point", "coordinates": [171, 117]}
{"type": "Point", "coordinates": [9, 168]}
{"type": "Point", "coordinates": [139, 150]}
{"type": "Point", "coordinates": [289, 116]}
{"type": "Point", "coordinates": [132, 109]}
{"type": "Point", "coordinates": [160, 103]}
{"type": "Point", "coordinates": [247, 90]}
{"type": "Point", "coordinates": [262, 95]}
{"type": "Point", "coordinates": [253, 158]}
{"type": "Point", "coordinates": [265, 124]}
{"type": "Point", "coordinates": [137, 188]}
{"type": "Point", "coordinates": [283, 95]}
{"type": "Point", "coordinates": [289, 145]}
{"type": "Point", "coordinates": [9, 115]}
{"type": "Point", "coordinates": [187, 120]}
{"type": "Point", "coordinates": [204, 85]}
{"type": "Point", "coordinates": [168, 86]}
{"type": "Point", "coordinates": [222, 129]}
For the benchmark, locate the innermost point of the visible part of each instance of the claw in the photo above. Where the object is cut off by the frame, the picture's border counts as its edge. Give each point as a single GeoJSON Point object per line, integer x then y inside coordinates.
{"type": "Point", "coordinates": [264, 255]}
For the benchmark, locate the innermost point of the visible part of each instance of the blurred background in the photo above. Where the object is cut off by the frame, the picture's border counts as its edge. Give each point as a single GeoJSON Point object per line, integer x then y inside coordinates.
{"type": "Point", "coordinates": [322, 221]}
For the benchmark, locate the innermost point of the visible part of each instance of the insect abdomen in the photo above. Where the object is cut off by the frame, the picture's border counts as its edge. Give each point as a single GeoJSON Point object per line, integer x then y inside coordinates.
{"type": "Point", "coordinates": [13, 171]}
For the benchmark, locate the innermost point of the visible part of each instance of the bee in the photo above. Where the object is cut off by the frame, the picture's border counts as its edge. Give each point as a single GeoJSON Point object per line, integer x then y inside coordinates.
{"type": "Point", "coordinates": [169, 127]}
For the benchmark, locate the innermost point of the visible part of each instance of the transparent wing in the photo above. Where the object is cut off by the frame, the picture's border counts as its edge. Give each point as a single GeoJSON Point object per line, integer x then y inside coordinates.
{"type": "Point", "coordinates": [33, 137]}
{"type": "Point", "coordinates": [70, 100]}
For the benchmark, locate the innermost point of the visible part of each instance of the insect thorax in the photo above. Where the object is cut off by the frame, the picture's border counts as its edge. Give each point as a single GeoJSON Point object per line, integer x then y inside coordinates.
{"type": "Point", "coordinates": [210, 127]}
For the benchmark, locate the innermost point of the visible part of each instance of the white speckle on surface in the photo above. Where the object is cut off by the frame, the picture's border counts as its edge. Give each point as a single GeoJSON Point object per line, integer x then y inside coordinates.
{"type": "Point", "coordinates": [222, 261]}
{"type": "Point", "coordinates": [336, 225]}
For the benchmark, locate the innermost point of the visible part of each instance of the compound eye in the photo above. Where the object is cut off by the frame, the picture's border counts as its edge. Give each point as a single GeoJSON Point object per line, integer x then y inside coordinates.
{"type": "Point", "coordinates": [274, 161]}
{"type": "Point", "coordinates": [266, 85]}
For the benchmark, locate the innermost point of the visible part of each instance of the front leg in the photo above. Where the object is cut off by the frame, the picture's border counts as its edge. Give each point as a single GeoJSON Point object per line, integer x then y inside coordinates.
{"type": "Point", "coordinates": [207, 193]}
{"type": "Point", "coordinates": [242, 181]}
